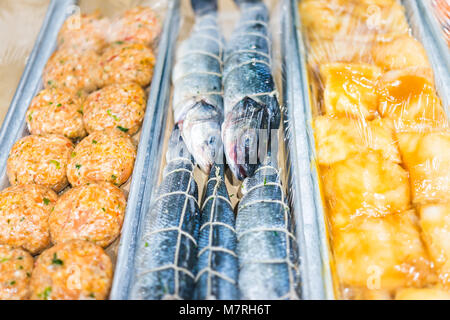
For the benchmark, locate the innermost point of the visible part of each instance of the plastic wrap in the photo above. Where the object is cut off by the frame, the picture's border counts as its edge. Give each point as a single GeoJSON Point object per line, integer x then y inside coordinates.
{"type": "Point", "coordinates": [15, 124]}
{"type": "Point", "coordinates": [381, 141]}
{"type": "Point", "coordinates": [148, 262]}
{"type": "Point", "coordinates": [442, 12]}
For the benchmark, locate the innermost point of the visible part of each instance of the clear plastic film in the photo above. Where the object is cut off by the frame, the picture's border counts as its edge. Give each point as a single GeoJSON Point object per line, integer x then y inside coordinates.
{"type": "Point", "coordinates": [71, 78]}
{"type": "Point", "coordinates": [382, 139]}
{"type": "Point", "coordinates": [273, 176]}
{"type": "Point", "coordinates": [441, 10]}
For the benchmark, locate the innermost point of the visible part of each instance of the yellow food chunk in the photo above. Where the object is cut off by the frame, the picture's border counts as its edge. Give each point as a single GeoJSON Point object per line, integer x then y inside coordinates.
{"type": "Point", "coordinates": [408, 97]}
{"type": "Point", "coordinates": [365, 185]}
{"type": "Point", "coordinates": [338, 139]}
{"type": "Point", "coordinates": [402, 52]}
{"type": "Point", "coordinates": [422, 294]}
{"type": "Point", "coordinates": [427, 157]}
{"type": "Point", "coordinates": [435, 223]}
{"type": "Point", "coordinates": [382, 253]}
{"type": "Point", "coordinates": [350, 89]}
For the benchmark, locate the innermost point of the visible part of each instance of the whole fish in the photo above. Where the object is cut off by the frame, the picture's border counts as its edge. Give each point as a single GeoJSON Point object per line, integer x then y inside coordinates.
{"type": "Point", "coordinates": [167, 249]}
{"type": "Point", "coordinates": [217, 263]}
{"type": "Point", "coordinates": [250, 97]}
{"type": "Point", "coordinates": [267, 251]}
{"type": "Point", "coordinates": [197, 81]}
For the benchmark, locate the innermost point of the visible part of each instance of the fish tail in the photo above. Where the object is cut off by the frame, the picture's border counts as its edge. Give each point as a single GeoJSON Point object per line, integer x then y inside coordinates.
{"type": "Point", "coordinates": [202, 7]}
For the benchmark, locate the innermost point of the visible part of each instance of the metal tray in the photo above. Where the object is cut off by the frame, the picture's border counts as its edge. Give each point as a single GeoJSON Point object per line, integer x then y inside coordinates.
{"type": "Point", "coordinates": [326, 282]}
{"type": "Point", "coordinates": [14, 126]}
{"type": "Point", "coordinates": [295, 161]}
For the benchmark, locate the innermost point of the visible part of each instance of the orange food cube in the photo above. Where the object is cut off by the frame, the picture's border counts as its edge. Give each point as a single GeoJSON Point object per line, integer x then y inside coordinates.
{"type": "Point", "coordinates": [338, 139]}
{"type": "Point", "coordinates": [402, 52]}
{"type": "Point", "coordinates": [350, 89]}
{"type": "Point", "coordinates": [408, 97]}
{"type": "Point", "coordinates": [365, 184]}
{"type": "Point", "coordinates": [435, 223]}
{"type": "Point", "coordinates": [382, 253]}
{"type": "Point", "coordinates": [427, 157]}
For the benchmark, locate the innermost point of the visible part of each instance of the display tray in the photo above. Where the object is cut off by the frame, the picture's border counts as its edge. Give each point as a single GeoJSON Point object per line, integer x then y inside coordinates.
{"type": "Point", "coordinates": [305, 93]}
{"type": "Point", "coordinates": [15, 126]}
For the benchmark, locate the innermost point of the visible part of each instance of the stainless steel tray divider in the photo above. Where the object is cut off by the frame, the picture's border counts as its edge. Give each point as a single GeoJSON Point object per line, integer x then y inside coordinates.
{"type": "Point", "coordinates": [145, 174]}
{"type": "Point", "coordinates": [30, 82]}
{"type": "Point", "coordinates": [316, 270]}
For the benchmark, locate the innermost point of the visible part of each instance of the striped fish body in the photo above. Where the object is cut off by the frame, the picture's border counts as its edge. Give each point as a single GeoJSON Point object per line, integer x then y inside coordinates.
{"type": "Point", "coordinates": [248, 66]}
{"type": "Point", "coordinates": [197, 81]}
{"type": "Point", "coordinates": [268, 256]}
{"type": "Point", "coordinates": [167, 250]}
{"type": "Point", "coordinates": [250, 98]}
{"type": "Point", "coordinates": [217, 264]}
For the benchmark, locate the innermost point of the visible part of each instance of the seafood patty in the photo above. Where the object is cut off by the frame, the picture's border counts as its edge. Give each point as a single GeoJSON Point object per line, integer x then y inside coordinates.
{"type": "Point", "coordinates": [92, 212]}
{"type": "Point", "coordinates": [85, 32]}
{"type": "Point", "coordinates": [72, 270]}
{"type": "Point", "coordinates": [24, 213]}
{"type": "Point", "coordinates": [73, 71]}
{"type": "Point", "coordinates": [16, 266]}
{"type": "Point", "coordinates": [115, 106]}
{"type": "Point", "coordinates": [56, 111]}
{"type": "Point", "coordinates": [102, 156]}
{"type": "Point", "coordinates": [137, 25]}
{"type": "Point", "coordinates": [41, 160]}
{"type": "Point", "coordinates": [127, 62]}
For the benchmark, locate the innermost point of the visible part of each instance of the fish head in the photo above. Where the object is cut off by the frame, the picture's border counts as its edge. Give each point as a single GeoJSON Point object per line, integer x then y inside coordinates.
{"type": "Point", "coordinates": [245, 134]}
{"type": "Point", "coordinates": [201, 131]}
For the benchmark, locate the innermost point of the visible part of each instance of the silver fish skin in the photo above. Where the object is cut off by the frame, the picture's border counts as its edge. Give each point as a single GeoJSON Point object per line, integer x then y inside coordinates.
{"type": "Point", "coordinates": [267, 251]}
{"type": "Point", "coordinates": [217, 263]}
{"type": "Point", "coordinates": [197, 78]}
{"type": "Point", "coordinates": [248, 82]}
{"type": "Point", "coordinates": [167, 251]}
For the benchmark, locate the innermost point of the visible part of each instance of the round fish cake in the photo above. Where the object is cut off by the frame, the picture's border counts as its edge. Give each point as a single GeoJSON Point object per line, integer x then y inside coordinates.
{"type": "Point", "coordinates": [137, 25]}
{"type": "Point", "coordinates": [83, 32]}
{"type": "Point", "coordinates": [16, 266]}
{"type": "Point", "coordinates": [127, 62]}
{"type": "Point", "coordinates": [92, 212]}
{"type": "Point", "coordinates": [72, 270]}
{"type": "Point", "coordinates": [73, 71]}
{"type": "Point", "coordinates": [24, 213]}
{"type": "Point", "coordinates": [115, 106]}
{"type": "Point", "coordinates": [41, 160]}
{"type": "Point", "coordinates": [55, 111]}
{"type": "Point", "coordinates": [102, 156]}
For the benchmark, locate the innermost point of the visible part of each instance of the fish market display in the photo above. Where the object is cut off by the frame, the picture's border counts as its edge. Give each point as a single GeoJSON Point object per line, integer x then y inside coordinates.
{"type": "Point", "coordinates": [266, 245]}
{"type": "Point", "coordinates": [217, 266]}
{"type": "Point", "coordinates": [250, 98]}
{"type": "Point", "coordinates": [72, 234]}
{"type": "Point", "coordinates": [167, 252]}
{"type": "Point", "coordinates": [268, 258]}
{"type": "Point", "coordinates": [383, 150]}
{"type": "Point", "coordinates": [197, 81]}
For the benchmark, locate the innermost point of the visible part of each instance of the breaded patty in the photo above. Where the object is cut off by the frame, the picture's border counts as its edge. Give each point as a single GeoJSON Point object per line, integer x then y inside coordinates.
{"type": "Point", "coordinates": [24, 214]}
{"type": "Point", "coordinates": [102, 156]}
{"type": "Point", "coordinates": [85, 32]}
{"type": "Point", "coordinates": [73, 71]}
{"type": "Point", "coordinates": [137, 25]}
{"type": "Point", "coordinates": [41, 160]}
{"type": "Point", "coordinates": [16, 266]}
{"type": "Point", "coordinates": [92, 212]}
{"type": "Point", "coordinates": [125, 62]}
{"type": "Point", "coordinates": [72, 270]}
{"type": "Point", "coordinates": [114, 106]}
{"type": "Point", "coordinates": [56, 111]}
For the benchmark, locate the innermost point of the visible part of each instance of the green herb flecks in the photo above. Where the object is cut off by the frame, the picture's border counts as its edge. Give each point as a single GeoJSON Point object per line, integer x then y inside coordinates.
{"type": "Point", "coordinates": [56, 163]}
{"type": "Point", "coordinates": [57, 261]}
